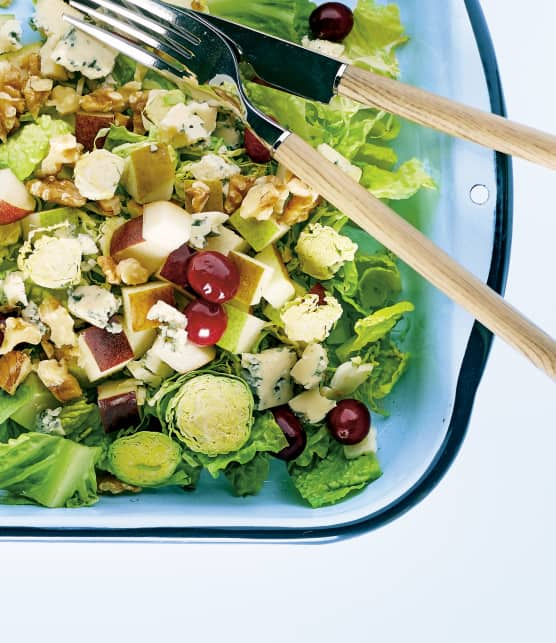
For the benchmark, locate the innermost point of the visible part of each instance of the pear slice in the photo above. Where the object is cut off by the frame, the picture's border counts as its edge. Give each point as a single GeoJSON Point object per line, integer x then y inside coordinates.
{"type": "Point", "coordinates": [149, 173]}
{"type": "Point", "coordinates": [281, 288]}
{"type": "Point", "coordinates": [226, 242]}
{"type": "Point", "coordinates": [254, 278]}
{"type": "Point", "coordinates": [242, 332]}
{"type": "Point", "coordinates": [258, 234]}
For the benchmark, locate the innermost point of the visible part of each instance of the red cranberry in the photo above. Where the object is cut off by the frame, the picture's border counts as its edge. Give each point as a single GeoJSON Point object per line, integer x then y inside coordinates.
{"type": "Point", "coordinates": [331, 21]}
{"type": "Point", "coordinates": [213, 276]}
{"type": "Point", "coordinates": [292, 429]}
{"type": "Point", "coordinates": [206, 322]}
{"type": "Point", "coordinates": [318, 289]}
{"type": "Point", "coordinates": [349, 421]}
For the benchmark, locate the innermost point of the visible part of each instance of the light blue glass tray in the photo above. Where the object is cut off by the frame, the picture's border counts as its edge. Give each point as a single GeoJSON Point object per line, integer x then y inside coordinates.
{"type": "Point", "coordinates": [450, 53]}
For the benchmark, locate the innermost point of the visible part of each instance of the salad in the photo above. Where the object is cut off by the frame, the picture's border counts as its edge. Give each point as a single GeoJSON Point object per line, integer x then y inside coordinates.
{"type": "Point", "coordinates": [171, 299]}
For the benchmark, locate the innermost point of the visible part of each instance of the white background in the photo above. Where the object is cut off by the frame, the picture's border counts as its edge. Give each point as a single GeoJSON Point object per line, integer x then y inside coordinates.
{"type": "Point", "coordinates": [474, 562]}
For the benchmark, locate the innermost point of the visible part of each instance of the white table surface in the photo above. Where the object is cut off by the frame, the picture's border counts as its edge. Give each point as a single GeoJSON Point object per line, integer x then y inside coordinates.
{"type": "Point", "coordinates": [474, 562]}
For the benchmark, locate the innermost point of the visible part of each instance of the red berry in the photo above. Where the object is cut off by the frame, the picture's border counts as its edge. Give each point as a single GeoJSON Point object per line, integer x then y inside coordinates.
{"type": "Point", "coordinates": [213, 276]}
{"type": "Point", "coordinates": [349, 421]}
{"type": "Point", "coordinates": [257, 152]}
{"type": "Point", "coordinates": [293, 431]}
{"type": "Point", "coordinates": [331, 21]}
{"type": "Point", "coordinates": [206, 322]}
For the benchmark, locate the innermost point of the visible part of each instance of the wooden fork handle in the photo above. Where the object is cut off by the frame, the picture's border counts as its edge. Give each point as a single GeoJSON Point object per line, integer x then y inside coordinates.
{"type": "Point", "coordinates": [419, 252]}
{"type": "Point", "coordinates": [419, 106]}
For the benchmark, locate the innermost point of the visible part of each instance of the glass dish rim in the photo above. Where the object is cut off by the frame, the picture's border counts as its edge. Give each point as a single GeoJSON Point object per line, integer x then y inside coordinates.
{"type": "Point", "coordinates": [471, 372]}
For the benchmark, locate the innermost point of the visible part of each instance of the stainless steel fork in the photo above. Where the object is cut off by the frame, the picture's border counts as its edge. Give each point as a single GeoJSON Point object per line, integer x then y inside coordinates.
{"type": "Point", "coordinates": [181, 43]}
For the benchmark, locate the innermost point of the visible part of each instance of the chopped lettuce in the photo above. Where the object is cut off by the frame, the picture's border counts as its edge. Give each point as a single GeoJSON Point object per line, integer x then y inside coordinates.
{"type": "Point", "coordinates": [374, 327]}
{"type": "Point", "coordinates": [318, 444]}
{"type": "Point", "coordinates": [29, 146]}
{"type": "Point", "coordinates": [78, 419]}
{"type": "Point", "coordinates": [248, 479]}
{"type": "Point", "coordinates": [124, 70]}
{"type": "Point", "coordinates": [288, 19]}
{"type": "Point", "coordinates": [376, 33]}
{"type": "Point", "coordinates": [329, 480]}
{"type": "Point", "coordinates": [398, 184]}
{"type": "Point", "coordinates": [48, 470]}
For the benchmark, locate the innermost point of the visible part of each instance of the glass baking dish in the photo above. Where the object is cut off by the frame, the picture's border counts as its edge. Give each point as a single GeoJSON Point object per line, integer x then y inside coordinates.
{"type": "Point", "coordinates": [450, 53]}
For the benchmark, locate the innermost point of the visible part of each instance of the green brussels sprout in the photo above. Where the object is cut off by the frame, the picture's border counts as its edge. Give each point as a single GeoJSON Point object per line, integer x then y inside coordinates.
{"type": "Point", "coordinates": [144, 459]}
{"type": "Point", "coordinates": [212, 413]}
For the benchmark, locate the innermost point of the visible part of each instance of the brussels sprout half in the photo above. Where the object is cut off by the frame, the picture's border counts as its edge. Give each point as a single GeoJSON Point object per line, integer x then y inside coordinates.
{"type": "Point", "coordinates": [144, 459]}
{"type": "Point", "coordinates": [212, 413]}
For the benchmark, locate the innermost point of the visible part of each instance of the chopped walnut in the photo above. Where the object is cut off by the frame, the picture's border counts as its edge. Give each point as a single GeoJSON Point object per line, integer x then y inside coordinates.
{"type": "Point", "coordinates": [109, 268]}
{"type": "Point", "coordinates": [122, 120]}
{"type": "Point", "coordinates": [12, 75]}
{"type": "Point", "coordinates": [129, 89]}
{"type": "Point", "coordinates": [198, 194]}
{"type": "Point", "coordinates": [303, 201]}
{"type": "Point", "coordinates": [18, 331]}
{"type": "Point", "coordinates": [132, 273]}
{"type": "Point", "coordinates": [107, 483]}
{"type": "Point", "coordinates": [110, 207]}
{"type": "Point", "coordinates": [10, 108]}
{"type": "Point", "coordinates": [14, 368]}
{"type": "Point", "coordinates": [64, 150]}
{"type": "Point", "coordinates": [103, 100]}
{"type": "Point", "coordinates": [36, 93]}
{"type": "Point", "coordinates": [60, 322]}
{"type": "Point", "coordinates": [266, 198]}
{"type": "Point", "coordinates": [48, 348]}
{"type": "Point", "coordinates": [137, 103]}
{"type": "Point", "coordinates": [61, 192]}
{"type": "Point", "coordinates": [64, 99]}
{"type": "Point", "coordinates": [237, 189]}
{"type": "Point", "coordinates": [58, 380]}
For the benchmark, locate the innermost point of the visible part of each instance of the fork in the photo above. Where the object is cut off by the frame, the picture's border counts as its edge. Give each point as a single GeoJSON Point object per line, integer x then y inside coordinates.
{"type": "Point", "coordinates": [182, 44]}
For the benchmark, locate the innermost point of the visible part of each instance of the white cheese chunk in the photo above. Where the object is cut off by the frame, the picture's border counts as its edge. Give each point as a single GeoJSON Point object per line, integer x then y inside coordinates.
{"type": "Point", "coordinates": [268, 374]}
{"type": "Point", "coordinates": [88, 245]}
{"type": "Point", "coordinates": [187, 124]}
{"type": "Point", "coordinates": [340, 161]}
{"type": "Point", "coordinates": [10, 36]}
{"type": "Point", "coordinates": [312, 406]}
{"type": "Point", "coordinates": [205, 224]}
{"type": "Point", "coordinates": [310, 369]}
{"type": "Point", "coordinates": [325, 47]}
{"type": "Point", "coordinates": [95, 305]}
{"type": "Point", "coordinates": [98, 174]}
{"type": "Point", "coordinates": [166, 314]}
{"type": "Point", "coordinates": [348, 378]}
{"type": "Point", "coordinates": [226, 241]}
{"type": "Point", "coordinates": [180, 354]}
{"type": "Point", "coordinates": [76, 51]}
{"type": "Point", "coordinates": [213, 167]}
{"type": "Point", "coordinates": [367, 445]}
{"type": "Point", "coordinates": [14, 289]}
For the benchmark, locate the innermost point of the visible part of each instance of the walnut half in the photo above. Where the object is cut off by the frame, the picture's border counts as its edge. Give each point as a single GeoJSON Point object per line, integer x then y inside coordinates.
{"type": "Point", "coordinates": [53, 190]}
{"type": "Point", "coordinates": [14, 368]}
{"type": "Point", "coordinates": [107, 483]}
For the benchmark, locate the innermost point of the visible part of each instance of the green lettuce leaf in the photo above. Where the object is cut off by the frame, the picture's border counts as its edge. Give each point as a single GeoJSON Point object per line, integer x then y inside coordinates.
{"type": "Point", "coordinates": [398, 184]}
{"type": "Point", "coordinates": [49, 470]}
{"type": "Point", "coordinates": [118, 135]}
{"type": "Point", "coordinates": [376, 33]}
{"type": "Point", "coordinates": [288, 19]}
{"type": "Point", "coordinates": [78, 420]}
{"type": "Point", "coordinates": [248, 479]}
{"type": "Point", "coordinates": [318, 443]}
{"type": "Point", "coordinates": [334, 477]}
{"type": "Point", "coordinates": [124, 70]}
{"type": "Point", "coordinates": [266, 436]}
{"type": "Point", "coordinates": [374, 327]}
{"type": "Point", "coordinates": [29, 146]}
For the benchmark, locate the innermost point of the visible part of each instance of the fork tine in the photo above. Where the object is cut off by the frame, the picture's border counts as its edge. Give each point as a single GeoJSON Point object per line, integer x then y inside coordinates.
{"type": "Point", "coordinates": [178, 45]}
{"type": "Point", "coordinates": [135, 52]}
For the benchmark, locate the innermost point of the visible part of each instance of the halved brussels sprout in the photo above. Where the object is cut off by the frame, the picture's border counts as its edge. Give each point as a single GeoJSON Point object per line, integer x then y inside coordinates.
{"type": "Point", "coordinates": [144, 459]}
{"type": "Point", "coordinates": [212, 413]}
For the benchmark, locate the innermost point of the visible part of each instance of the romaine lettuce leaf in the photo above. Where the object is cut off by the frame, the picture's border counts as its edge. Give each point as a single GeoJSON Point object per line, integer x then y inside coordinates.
{"type": "Point", "coordinates": [266, 436]}
{"type": "Point", "coordinates": [398, 184]}
{"type": "Point", "coordinates": [318, 443]}
{"type": "Point", "coordinates": [329, 480]}
{"type": "Point", "coordinates": [374, 327]}
{"type": "Point", "coordinates": [248, 479]}
{"type": "Point", "coordinates": [288, 19]}
{"type": "Point", "coordinates": [29, 146]}
{"type": "Point", "coordinates": [376, 33]}
{"type": "Point", "coordinates": [48, 470]}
